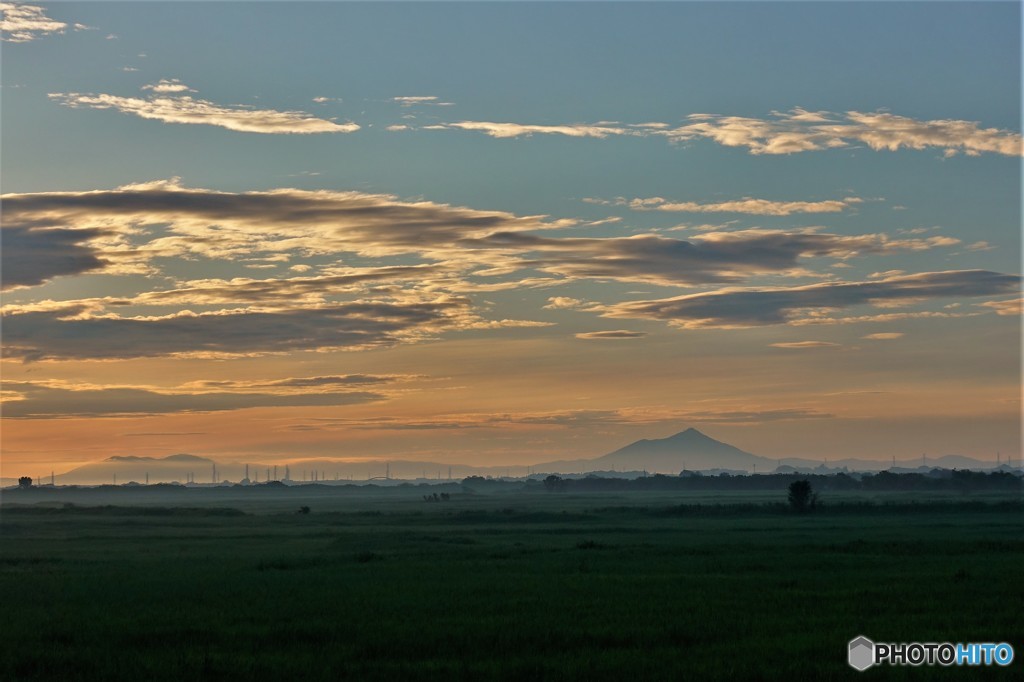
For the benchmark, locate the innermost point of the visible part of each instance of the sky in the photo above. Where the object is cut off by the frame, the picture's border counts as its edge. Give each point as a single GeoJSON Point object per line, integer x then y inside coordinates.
{"type": "Point", "coordinates": [508, 233]}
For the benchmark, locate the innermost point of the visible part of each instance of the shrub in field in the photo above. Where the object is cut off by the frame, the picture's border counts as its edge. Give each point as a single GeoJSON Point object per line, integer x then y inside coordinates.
{"type": "Point", "coordinates": [801, 497]}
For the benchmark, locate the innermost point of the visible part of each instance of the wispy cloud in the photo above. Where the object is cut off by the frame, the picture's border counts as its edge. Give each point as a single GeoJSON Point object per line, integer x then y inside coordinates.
{"type": "Point", "coordinates": [211, 224]}
{"type": "Point", "coordinates": [168, 107]}
{"type": "Point", "coordinates": [789, 132]}
{"type": "Point", "coordinates": [506, 130]}
{"type": "Point", "coordinates": [1014, 306]}
{"type": "Point", "coordinates": [73, 332]}
{"type": "Point", "coordinates": [579, 419]}
{"type": "Point", "coordinates": [24, 23]}
{"type": "Point", "coordinates": [801, 131]}
{"type": "Point", "coordinates": [165, 86]}
{"type": "Point", "coordinates": [613, 334]}
{"type": "Point", "coordinates": [733, 308]}
{"type": "Point", "coordinates": [883, 336]}
{"type": "Point", "coordinates": [712, 257]}
{"type": "Point", "coordinates": [746, 205]}
{"type": "Point", "coordinates": [327, 383]}
{"type": "Point", "coordinates": [40, 401]}
{"type": "Point", "coordinates": [431, 100]}
{"type": "Point", "coordinates": [806, 345]}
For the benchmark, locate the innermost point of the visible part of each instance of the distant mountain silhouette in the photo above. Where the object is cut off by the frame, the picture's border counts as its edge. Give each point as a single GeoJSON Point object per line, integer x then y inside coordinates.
{"type": "Point", "coordinates": [689, 449]}
{"type": "Point", "coordinates": [168, 458]}
{"type": "Point", "coordinates": [132, 468]}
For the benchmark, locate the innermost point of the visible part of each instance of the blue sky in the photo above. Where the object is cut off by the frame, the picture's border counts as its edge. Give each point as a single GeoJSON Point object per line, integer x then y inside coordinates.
{"type": "Point", "coordinates": [835, 187]}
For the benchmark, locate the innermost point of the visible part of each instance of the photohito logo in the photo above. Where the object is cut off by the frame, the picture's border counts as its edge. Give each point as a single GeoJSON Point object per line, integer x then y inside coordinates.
{"type": "Point", "coordinates": [863, 653]}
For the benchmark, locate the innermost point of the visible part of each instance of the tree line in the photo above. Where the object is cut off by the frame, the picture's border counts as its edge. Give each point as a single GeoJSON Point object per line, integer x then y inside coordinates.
{"type": "Point", "coordinates": [956, 480]}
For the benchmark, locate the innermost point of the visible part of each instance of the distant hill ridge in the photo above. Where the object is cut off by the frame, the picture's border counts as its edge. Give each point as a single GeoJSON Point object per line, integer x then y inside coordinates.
{"type": "Point", "coordinates": [168, 458]}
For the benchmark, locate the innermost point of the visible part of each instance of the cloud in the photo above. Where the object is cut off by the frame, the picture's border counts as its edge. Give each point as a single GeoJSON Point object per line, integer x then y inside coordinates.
{"type": "Point", "coordinates": [506, 130]}
{"type": "Point", "coordinates": [185, 109]}
{"type": "Point", "coordinates": [754, 416]}
{"type": "Point", "coordinates": [801, 131]}
{"type": "Point", "coordinates": [34, 255]}
{"type": "Point", "coordinates": [746, 205]}
{"type": "Point", "coordinates": [308, 290]}
{"type": "Point", "coordinates": [161, 434]}
{"type": "Point", "coordinates": [1013, 306]}
{"type": "Point", "coordinates": [612, 334]}
{"type": "Point", "coordinates": [883, 336]}
{"type": "Point", "coordinates": [325, 100]}
{"type": "Point", "coordinates": [412, 101]}
{"type": "Point", "coordinates": [165, 86]}
{"type": "Point", "coordinates": [73, 332]}
{"type": "Point", "coordinates": [791, 132]}
{"type": "Point", "coordinates": [24, 23]}
{"type": "Point", "coordinates": [576, 419]}
{"type": "Point", "coordinates": [322, 384]}
{"type": "Point", "coordinates": [712, 257]}
{"type": "Point", "coordinates": [48, 401]}
{"type": "Point", "coordinates": [729, 308]}
{"type": "Point", "coordinates": [799, 345]}
{"type": "Point", "coordinates": [224, 225]}
{"type": "Point", "coordinates": [563, 303]}
{"type": "Point", "coordinates": [133, 227]}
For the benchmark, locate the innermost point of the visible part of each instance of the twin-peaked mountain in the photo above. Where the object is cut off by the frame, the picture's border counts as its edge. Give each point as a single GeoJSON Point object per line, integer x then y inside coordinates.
{"type": "Point", "coordinates": [689, 449]}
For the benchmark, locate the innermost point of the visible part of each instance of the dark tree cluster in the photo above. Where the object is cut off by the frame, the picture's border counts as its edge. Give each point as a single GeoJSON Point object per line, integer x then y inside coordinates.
{"type": "Point", "coordinates": [556, 484]}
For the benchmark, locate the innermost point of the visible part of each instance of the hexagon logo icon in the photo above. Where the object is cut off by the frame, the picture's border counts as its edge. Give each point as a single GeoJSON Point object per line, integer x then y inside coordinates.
{"type": "Point", "coordinates": [861, 653]}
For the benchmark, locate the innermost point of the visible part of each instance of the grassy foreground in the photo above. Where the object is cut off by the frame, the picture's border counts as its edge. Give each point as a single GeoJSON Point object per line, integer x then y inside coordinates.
{"type": "Point", "coordinates": [493, 587]}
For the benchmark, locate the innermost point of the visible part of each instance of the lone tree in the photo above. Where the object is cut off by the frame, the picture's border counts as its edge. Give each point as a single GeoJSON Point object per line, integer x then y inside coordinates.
{"type": "Point", "coordinates": [801, 497]}
{"type": "Point", "coordinates": [25, 482]}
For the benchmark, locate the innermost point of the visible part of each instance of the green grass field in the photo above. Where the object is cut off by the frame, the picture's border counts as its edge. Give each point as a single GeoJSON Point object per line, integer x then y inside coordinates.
{"type": "Point", "coordinates": [549, 586]}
